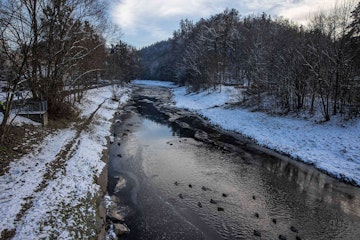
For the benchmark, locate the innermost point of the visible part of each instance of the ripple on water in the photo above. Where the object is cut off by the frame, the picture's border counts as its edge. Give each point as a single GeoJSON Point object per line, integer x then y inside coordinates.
{"type": "Point", "coordinates": [285, 195]}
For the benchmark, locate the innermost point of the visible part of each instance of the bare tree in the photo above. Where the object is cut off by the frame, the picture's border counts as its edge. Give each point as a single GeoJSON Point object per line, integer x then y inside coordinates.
{"type": "Point", "coordinates": [328, 58]}
{"type": "Point", "coordinates": [68, 42]}
{"type": "Point", "coordinates": [15, 53]}
{"type": "Point", "coordinates": [48, 44]}
{"type": "Point", "coordinates": [351, 95]}
{"type": "Point", "coordinates": [121, 63]}
{"type": "Point", "coordinates": [297, 66]}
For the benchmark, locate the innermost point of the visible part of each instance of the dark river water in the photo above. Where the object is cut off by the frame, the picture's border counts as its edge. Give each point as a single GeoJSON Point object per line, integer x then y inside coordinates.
{"type": "Point", "coordinates": [178, 187]}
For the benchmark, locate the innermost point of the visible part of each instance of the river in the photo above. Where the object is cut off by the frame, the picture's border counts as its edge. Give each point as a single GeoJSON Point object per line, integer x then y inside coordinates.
{"type": "Point", "coordinates": [188, 180]}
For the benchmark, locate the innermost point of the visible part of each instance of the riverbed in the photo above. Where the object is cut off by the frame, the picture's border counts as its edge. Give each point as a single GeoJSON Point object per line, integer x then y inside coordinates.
{"type": "Point", "coordinates": [186, 179]}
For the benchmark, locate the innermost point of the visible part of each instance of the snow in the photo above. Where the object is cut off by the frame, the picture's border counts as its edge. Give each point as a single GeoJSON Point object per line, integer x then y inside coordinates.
{"type": "Point", "coordinates": [19, 120]}
{"type": "Point", "coordinates": [333, 147]}
{"type": "Point", "coordinates": [61, 207]}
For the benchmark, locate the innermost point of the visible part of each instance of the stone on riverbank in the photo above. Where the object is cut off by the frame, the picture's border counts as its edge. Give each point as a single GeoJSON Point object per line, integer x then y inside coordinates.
{"type": "Point", "coordinates": [121, 229]}
{"type": "Point", "coordinates": [116, 215]}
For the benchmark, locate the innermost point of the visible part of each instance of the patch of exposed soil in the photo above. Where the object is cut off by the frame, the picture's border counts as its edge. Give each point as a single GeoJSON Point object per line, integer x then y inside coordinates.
{"type": "Point", "coordinates": [8, 234]}
{"type": "Point", "coordinates": [20, 141]}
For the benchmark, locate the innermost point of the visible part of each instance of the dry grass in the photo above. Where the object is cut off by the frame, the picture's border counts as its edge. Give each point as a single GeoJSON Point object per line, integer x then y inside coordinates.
{"type": "Point", "coordinates": [7, 151]}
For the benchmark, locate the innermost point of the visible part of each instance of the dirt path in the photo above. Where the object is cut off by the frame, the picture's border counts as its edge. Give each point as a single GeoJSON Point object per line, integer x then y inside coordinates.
{"type": "Point", "coordinates": [53, 167]}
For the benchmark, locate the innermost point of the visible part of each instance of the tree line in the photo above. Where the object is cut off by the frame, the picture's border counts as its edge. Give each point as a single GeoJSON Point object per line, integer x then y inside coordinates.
{"type": "Point", "coordinates": [56, 50]}
{"type": "Point", "coordinates": [299, 67]}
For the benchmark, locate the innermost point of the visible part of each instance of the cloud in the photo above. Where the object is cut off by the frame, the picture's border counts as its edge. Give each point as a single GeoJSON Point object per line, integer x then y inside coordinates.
{"type": "Point", "coordinates": [301, 10]}
{"type": "Point", "coordinates": [155, 20]}
{"type": "Point", "coordinates": [128, 13]}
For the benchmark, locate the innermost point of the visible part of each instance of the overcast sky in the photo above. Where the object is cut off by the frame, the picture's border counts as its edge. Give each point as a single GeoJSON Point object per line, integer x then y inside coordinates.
{"type": "Point", "coordinates": [144, 22]}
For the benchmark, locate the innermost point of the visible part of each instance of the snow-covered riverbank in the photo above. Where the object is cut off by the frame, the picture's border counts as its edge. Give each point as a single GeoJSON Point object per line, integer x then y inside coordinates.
{"type": "Point", "coordinates": [333, 147]}
{"type": "Point", "coordinates": [60, 207]}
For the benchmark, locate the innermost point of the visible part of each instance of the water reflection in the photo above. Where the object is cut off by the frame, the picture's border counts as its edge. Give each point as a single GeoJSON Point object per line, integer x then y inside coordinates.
{"type": "Point", "coordinates": [293, 195]}
{"type": "Point", "coordinates": [262, 192]}
{"type": "Point", "coordinates": [315, 185]}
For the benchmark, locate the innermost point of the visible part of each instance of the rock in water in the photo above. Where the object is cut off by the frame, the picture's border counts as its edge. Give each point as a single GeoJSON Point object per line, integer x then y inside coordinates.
{"type": "Point", "coordinates": [190, 186]}
{"type": "Point", "coordinates": [201, 135]}
{"type": "Point", "coordinates": [282, 237]}
{"type": "Point", "coordinates": [220, 209]}
{"type": "Point", "coordinates": [114, 199]}
{"type": "Point", "coordinates": [116, 215]}
{"type": "Point", "coordinates": [257, 233]}
{"type": "Point", "coordinates": [292, 228]}
{"type": "Point", "coordinates": [274, 220]}
{"type": "Point", "coordinates": [120, 184]}
{"type": "Point", "coordinates": [205, 188]}
{"type": "Point", "coordinates": [213, 201]}
{"type": "Point", "coordinates": [199, 204]}
{"type": "Point", "coordinates": [121, 229]}
{"type": "Point", "coordinates": [256, 215]}
{"type": "Point", "coordinates": [224, 195]}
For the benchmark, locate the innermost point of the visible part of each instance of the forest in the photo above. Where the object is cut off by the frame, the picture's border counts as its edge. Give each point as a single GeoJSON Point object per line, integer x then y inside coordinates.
{"type": "Point", "coordinates": [54, 50]}
{"type": "Point", "coordinates": [300, 68]}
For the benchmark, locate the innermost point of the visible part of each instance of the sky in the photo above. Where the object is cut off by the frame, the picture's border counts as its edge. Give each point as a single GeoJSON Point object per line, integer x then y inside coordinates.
{"type": "Point", "coordinates": [144, 22]}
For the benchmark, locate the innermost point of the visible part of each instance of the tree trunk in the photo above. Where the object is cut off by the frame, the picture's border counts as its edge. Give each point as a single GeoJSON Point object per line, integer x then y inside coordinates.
{"type": "Point", "coordinates": [34, 50]}
{"type": "Point", "coordinates": [4, 127]}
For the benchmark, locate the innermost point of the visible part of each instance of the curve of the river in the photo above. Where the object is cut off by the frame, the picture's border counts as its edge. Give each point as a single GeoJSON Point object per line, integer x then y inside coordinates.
{"type": "Point", "coordinates": [185, 182]}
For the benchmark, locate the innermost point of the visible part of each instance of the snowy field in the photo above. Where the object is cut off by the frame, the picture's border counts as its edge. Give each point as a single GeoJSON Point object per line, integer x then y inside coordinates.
{"type": "Point", "coordinates": [333, 147]}
{"type": "Point", "coordinates": [63, 205]}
